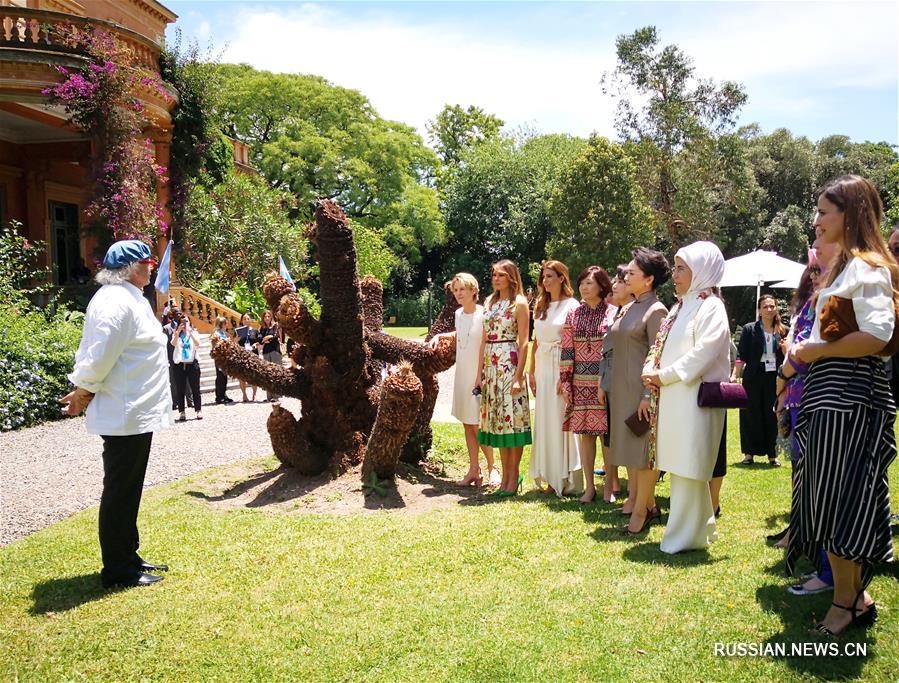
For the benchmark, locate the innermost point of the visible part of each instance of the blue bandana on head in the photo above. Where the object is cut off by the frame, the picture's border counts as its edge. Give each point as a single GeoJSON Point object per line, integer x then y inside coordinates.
{"type": "Point", "coordinates": [124, 253]}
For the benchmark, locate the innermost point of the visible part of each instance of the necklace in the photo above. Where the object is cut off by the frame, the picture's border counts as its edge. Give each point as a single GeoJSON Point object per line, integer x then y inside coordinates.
{"type": "Point", "coordinates": [463, 334]}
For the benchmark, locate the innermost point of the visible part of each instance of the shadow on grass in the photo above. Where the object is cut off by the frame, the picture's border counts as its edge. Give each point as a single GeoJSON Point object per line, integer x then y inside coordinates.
{"type": "Point", "coordinates": [797, 617]}
{"type": "Point", "coordinates": [778, 520]}
{"type": "Point", "coordinates": [650, 553]}
{"type": "Point", "coordinates": [281, 476]}
{"type": "Point", "coordinates": [61, 595]}
{"type": "Point", "coordinates": [284, 484]}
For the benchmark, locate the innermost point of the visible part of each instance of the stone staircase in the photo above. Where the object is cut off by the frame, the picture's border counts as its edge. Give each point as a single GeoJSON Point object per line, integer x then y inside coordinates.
{"type": "Point", "coordinates": [207, 371]}
{"type": "Point", "coordinates": [203, 312]}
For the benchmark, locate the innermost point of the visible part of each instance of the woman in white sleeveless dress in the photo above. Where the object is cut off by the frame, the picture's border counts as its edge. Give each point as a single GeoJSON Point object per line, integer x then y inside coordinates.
{"type": "Point", "coordinates": [554, 454]}
{"type": "Point", "coordinates": [466, 406]}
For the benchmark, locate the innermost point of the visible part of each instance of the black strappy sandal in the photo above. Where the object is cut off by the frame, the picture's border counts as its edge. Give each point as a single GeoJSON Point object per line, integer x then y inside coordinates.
{"type": "Point", "coordinates": [859, 618]}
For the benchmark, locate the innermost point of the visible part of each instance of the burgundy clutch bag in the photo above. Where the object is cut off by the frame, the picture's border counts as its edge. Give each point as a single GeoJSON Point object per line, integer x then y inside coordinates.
{"type": "Point", "coordinates": [636, 425]}
{"type": "Point", "coordinates": [722, 395]}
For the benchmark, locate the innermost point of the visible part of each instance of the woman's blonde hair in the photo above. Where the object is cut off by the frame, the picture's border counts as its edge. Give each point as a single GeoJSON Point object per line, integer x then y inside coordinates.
{"type": "Point", "coordinates": [543, 297]}
{"type": "Point", "coordinates": [859, 202]}
{"type": "Point", "coordinates": [220, 322]}
{"type": "Point", "coordinates": [511, 271]}
{"type": "Point", "coordinates": [468, 281]}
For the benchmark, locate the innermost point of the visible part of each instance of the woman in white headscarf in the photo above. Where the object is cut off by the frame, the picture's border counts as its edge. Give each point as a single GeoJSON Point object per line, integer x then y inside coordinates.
{"type": "Point", "coordinates": [692, 347]}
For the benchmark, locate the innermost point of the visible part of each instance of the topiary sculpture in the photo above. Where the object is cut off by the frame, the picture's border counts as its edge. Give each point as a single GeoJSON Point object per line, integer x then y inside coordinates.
{"type": "Point", "coordinates": [350, 414]}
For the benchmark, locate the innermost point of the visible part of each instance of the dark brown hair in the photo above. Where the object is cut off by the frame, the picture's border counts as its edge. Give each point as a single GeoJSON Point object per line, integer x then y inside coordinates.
{"type": "Point", "coordinates": [805, 289]}
{"type": "Point", "coordinates": [543, 297]}
{"type": "Point", "coordinates": [600, 277]}
{"type": "Point", "coordinates": [778, 323]}
{"type": "Point", "coordinates": [859, 202]}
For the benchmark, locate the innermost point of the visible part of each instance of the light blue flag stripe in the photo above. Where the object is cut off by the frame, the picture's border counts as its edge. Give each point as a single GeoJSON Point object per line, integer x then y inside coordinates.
{"type": "Point", "coordinates": [162, 273]}
{"type": "Point", "coordinates": [283, 270]}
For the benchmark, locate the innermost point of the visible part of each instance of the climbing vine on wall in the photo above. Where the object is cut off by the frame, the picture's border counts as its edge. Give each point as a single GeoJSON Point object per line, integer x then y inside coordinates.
{"type": "Point", "coordinates": [100, 98]}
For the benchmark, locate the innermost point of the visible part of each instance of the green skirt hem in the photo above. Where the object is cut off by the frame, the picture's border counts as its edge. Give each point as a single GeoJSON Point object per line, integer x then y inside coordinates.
{"type": "Point", "coordinates": [504, 440]}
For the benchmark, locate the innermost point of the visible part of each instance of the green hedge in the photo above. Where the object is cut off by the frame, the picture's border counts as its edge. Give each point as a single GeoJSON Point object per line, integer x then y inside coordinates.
{"type": "Point", "coordinates": [37, 351]}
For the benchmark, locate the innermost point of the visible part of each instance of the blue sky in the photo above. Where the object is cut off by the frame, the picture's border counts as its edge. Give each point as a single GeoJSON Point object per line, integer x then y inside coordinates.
{"type": "Point", "coordinates": [817, 68]}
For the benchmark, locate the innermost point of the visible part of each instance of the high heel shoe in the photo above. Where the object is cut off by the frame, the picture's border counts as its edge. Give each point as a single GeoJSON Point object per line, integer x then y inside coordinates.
{"type": "Point", "coordinates": [468, 480]}
{"type": "Point", "coordinates": [512, 494]}
{"type": "Point", "coordinates": [651, 516]}
{"type": "Point", "coordinates": [859, 618]}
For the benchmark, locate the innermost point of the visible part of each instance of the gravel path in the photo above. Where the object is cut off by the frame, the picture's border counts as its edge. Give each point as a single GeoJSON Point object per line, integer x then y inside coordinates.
{"type": "Point", "coordinates": [51, 471]}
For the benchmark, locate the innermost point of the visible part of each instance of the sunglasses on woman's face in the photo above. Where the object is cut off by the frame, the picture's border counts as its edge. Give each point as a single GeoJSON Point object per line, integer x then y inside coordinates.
{"type": "Point", "coordinates": [895, 249]}
{"type": "Point", "coordinates": [814, 271]}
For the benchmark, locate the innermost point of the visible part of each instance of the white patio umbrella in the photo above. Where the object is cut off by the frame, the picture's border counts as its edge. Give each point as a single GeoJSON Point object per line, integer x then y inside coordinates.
{"type": "Point", "coordinates": [761, 268]}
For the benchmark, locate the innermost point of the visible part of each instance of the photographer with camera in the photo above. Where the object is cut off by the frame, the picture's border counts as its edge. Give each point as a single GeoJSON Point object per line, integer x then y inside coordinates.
{"type": "Point", "coordinates": [185, 342]}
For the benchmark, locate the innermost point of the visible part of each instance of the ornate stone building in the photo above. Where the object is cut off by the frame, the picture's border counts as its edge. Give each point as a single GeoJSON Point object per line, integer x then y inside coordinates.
{"type": "Point", "coordinates": [46, 163]}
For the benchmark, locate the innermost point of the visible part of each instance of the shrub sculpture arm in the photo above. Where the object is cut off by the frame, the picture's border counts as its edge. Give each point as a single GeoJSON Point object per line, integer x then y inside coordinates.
{"type": "Point", "coordinates": [400, 397]}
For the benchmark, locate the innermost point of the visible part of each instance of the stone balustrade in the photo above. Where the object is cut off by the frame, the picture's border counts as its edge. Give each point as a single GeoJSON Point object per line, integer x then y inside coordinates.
{"type": "Point", "coordinates": [202, 310]}
{"type": "Point", "coordinates": [44, 31]}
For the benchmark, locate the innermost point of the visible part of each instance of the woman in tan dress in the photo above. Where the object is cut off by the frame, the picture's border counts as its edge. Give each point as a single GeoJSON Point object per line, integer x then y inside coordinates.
{"type": "Point", "coordinates": [631, 336]}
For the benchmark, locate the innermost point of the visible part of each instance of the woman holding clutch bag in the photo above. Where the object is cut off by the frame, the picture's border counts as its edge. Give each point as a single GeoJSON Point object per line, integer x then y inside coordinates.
{"type": "Point", "coordinates": [631, 336]}
{"type": "Point", "coordinates": [691, 348]}
{"type": "Point", "coordinates": [841, 498]}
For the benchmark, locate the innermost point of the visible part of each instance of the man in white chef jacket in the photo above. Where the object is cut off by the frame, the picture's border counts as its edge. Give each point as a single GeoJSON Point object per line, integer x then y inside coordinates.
{"type": "Point", "coordinates": [121, 377]}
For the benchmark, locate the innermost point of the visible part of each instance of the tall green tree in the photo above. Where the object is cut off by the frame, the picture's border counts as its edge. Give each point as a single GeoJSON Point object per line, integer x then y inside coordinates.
{"type": "Point", "coordinates": [199, 152]}
{"type": "Point", "coordinates": [664, 103]}
{"type": "Point", "coordinates": [497, 204]}
{"type": "Point", "coordinates": [455, 129]}
{"type": "Point", "coordinates": [598, 210]}
{"type": "Point", "coordinates": [317, 140]}
{"type": "Point", "coordinates": [234, 233]}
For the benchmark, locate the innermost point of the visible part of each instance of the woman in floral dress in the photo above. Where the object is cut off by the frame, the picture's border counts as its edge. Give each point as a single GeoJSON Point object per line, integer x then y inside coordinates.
{"type": "Point", "coordinates": [582, 338]}
{"type": "Point", "coordinates": [505, 410]}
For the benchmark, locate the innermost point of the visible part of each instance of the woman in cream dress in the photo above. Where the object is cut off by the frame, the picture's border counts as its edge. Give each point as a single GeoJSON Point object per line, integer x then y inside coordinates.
{"type": "Point", "coordinates": [554, 453]}
{"type": "Point", "coordinates": [466, 406]}
{"type": "Point", "coordinates": [694, 350]}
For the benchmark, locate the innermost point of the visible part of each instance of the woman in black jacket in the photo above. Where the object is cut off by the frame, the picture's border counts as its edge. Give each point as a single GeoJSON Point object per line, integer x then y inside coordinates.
{"type": "Point", "coordinates": [247, 338]}
{"type": "Point", "coordinates": [758, 357]}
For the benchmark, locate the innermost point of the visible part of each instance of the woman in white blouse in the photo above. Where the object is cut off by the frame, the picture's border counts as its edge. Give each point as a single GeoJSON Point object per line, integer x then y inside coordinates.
{"type": "Point", "coordinates": [466, 406]}
{"type": "Point", "coordinates": [554, 453]}
{"type": "Point", "coordinates": [841, 499]}
{"type": "Point", "coordinates": [695, 350]}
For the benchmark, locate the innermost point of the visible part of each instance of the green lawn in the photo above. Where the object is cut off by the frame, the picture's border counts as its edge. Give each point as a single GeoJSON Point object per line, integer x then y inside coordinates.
{"type": "Point", "coordinates": [416, 333]}
{"type": "Point", "coordinates": [526, 589]}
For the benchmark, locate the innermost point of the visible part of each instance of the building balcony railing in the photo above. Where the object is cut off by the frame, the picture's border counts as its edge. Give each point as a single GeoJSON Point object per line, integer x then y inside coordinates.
{"type": "Point", "coordinates": [42, 31]}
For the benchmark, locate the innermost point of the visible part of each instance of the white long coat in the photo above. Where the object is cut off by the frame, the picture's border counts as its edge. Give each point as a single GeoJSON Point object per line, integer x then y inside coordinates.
{"type": "Point", "coordinates": [696, 351]}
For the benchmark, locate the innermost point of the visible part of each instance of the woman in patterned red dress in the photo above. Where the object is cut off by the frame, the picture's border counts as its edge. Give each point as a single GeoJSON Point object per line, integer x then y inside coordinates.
{"type": "Point", "coordinates": [582, 337]}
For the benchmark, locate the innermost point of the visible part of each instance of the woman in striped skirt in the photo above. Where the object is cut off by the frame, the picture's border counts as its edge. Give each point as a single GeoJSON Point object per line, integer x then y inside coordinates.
{"type": "Point", "coordinates": [845, 426]}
